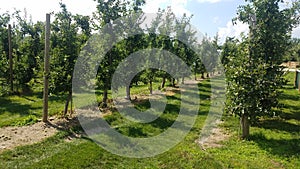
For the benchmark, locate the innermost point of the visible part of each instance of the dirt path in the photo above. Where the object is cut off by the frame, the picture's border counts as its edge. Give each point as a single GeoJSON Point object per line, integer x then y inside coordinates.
{"type": "Point", "coordinates": [11, 137]}
{"type": "Point", "coordinates": [215, 139]}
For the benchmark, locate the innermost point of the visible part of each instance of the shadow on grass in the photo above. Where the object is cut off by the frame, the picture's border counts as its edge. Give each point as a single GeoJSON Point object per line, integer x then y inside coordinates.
{"type": "Point", "coordinates": [39, 95]}
{"type": "Point", "coordinates": [286, 96]}
{"type": "Point", "coordinates": [145, 104]}
{"type": "Point", "coordinates": [8, 105]}
{"type": "Point", "coordinates": [280, 147]}
{"type": "Point", "coordinates": [293, 112]}
{"type": "Point", "coordinates": [277, 124]}
{"type": "Point", "coordinates": [204, 87]}
{"type": "Point", "coordinates": [162, 123]}
{"type": "Point", "coordinates": [17, 107]}
{"type": "Point", "coordinates": [13, 107]}
{"type": "Point", "coordinates": [136, 132]}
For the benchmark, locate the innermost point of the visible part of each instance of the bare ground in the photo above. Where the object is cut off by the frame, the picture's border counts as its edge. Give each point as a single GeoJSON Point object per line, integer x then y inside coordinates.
{"type": "Point", "coordinates": [11, 137]}
{"type": "Point", "coordinates": [215, 139]}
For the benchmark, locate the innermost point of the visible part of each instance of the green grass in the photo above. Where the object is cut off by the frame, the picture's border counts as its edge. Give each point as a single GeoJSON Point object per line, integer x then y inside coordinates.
{"type": "Point", "coordinates": [14, 110]}
{"type": "Point", "coordinates": [273, 139]}
{"type": "Point", "coordinates": [274, 143]}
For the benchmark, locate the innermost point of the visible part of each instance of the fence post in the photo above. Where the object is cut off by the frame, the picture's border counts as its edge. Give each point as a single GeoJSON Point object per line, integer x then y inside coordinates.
{"type": "Point", "coordinates": [46, 69]}
{"type": "Point", "coordinates": [11, 76]}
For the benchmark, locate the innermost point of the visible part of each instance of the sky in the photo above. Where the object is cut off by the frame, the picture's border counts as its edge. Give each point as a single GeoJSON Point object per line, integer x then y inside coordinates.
{"type": "Point", "coordinates": [209, 16]}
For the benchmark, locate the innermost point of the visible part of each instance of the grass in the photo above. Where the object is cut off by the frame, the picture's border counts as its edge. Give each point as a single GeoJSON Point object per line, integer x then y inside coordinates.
{"type": "Point", "coordinates": [272, 139]}
{"type": "Point", "coordinates": [14, 110]}
{"type": "Point", "coordinates": [18, 110]}
{"type": "Point", "coordinates": [274, 143]}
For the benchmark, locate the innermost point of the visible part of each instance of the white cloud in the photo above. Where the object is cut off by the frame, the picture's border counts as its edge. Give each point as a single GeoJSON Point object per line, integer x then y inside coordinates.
{"type": "Point", "coordinates": [209, 1]}
{"type": "Point", "coordinates": [232, 30]}
{"type": "Point", "coordinates": [178, 6]}
{"type": "Point", "coordinates": [235, 31]}
{"type": "Point", "coordinates": [216, 20]}
{"type": "Point", "coordinates": [296, 32]}
{"type": "Point", "coordinates": [38, 8]}
{"type": "Point", "coordinates": [153, 5]}
{"type": "Point", "coordinates": [212, 1]}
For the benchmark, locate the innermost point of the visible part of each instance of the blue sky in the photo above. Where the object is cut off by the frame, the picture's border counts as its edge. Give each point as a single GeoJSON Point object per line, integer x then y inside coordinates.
{"type": "Point", "coordinates": [209, 16]}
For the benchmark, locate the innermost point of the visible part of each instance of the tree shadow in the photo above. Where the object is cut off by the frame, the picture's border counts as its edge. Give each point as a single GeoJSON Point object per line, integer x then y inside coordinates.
{"type": "Point", "coordinates": [136, 132]}
{"type": "Point", "coordinates": [165, 121]}
{"type": "Point", "coordinates": [292, 114]}
{"type": "Point", "coordinates": [204, 87]}
{"type": "Point", "coordinates": [278, 124]}
{"type": "Point", "coordinates": [13, 107]}
{"type": "Point", "coordinates": [52, 98]}
{"type": "Point", "coordinates": [279, 147]}
{"type": "Point", "coordinates": [162, 123]}
{"type": "Point", "coordinates": [285, 96]}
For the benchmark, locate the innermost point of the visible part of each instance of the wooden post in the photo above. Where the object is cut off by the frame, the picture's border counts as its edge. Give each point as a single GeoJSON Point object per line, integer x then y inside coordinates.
{"type": "Point", "coordinates": [297, 74]}
{"type": "Point", "coordinates": [299, 86]}
{"type": "Point", "coordinates": [295, 82]}
{"type": "Point", "coordinates": [46, 69]}
{"type": "Point", "coordinates": [11, 78]}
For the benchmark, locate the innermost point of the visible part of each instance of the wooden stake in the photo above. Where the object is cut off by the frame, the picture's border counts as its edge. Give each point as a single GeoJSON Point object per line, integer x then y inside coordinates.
{"type": "Point", "coordinates": [297, 74]}
{"type": "Point", "coordinates": [46, 69]}
{"type": "Point", "coordinates": [11, 78]}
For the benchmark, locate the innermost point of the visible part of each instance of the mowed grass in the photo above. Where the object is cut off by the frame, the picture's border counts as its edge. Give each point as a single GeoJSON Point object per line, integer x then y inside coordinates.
{"type": "Point", "coordinates": [275, 140]}
{"type": "Point", "coordinates": [16, 110]}
{"type": "Point", "coordinates": [27, 108]}
{"type": "Point", "coordinates": [274, 143]}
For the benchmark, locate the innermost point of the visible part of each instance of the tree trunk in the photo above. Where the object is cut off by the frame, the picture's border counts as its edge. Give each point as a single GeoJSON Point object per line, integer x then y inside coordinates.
{"type": "Point", "coordinates": [128, 92]}
{"type": "Point", "coordinates": [105, 97]}
{"type": "Point", "coordinates": [150, 88]}
{"type": "Point", "coordinates": [182, 80]}
{"type": "Point", "coordinates": [202, 76]}
{"type": "Point", "coordinates": [67, 104]}
{"type": "Point", "coordinates": [163, 83]}
{"type": "Point", "coordinates": [173, 82]}
{"type": "Point", "coordinates": [207, 75]}
{"type": "Point", "coordinates": [245, 125]}
{"type": "Point", "coordinates": [195, 76]}
{"type": "Point", "coordinates": [71, 111]}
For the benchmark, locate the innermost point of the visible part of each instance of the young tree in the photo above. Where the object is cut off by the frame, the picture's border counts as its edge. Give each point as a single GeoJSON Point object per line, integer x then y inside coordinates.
{"type": "Point", "coordinates": [185, 37]}
{"type": "Point", "coordinates": [254, 75]}
{"type": "Point", "coordinates": [293, 53]}
{"type": "Point", "coordinates": [4, 69]}
{"type": "Point", "coordinates": [229, 49]}
{"type": "Point", "coordinates": [66, 43]}
{"type": "Point", "coordinates": [209, 55]}
{"type": "Point", "coordinates": [166, 28]}
{"type": "Point", "coordinates": [107, 12]}
{"type": "Point", "coordinates": [28, 50]}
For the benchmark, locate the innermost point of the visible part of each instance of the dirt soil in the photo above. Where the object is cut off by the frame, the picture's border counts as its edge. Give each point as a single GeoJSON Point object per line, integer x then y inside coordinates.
{"type": "Point", "coordinates": [214, 140]}
{"type": "Point", "coordinates": [11, 137]}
